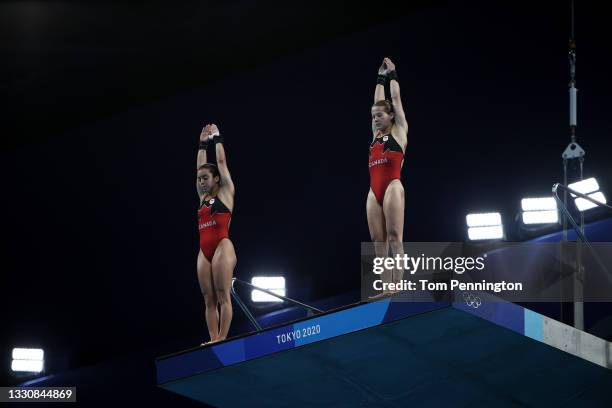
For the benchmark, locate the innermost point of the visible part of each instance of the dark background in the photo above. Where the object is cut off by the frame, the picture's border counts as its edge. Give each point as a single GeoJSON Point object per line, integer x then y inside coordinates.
{"type": "Point", "coordinates": [103, 104]}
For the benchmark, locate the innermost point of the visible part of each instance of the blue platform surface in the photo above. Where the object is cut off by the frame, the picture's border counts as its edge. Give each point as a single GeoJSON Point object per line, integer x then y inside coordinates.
{"type": "Point", "coordinates": [285, 337]}
{"type": "Point", "coordinates": [393, 354]}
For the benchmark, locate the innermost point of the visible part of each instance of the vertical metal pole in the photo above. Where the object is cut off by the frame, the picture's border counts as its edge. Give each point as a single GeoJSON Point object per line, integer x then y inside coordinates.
{"type": "Point", "coordinates": [245, 309]}
{"type": "Point", "coordinates": [565, 199]}
{"type": "Point", "coordinates": [573, 152]}
{"type": "Point", "coordinates": [579, 274]}
{"type": "Point", "coordinates": [563, 241]}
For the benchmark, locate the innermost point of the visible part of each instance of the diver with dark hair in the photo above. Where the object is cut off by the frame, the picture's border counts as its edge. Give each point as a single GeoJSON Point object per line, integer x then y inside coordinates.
{"type": "Point", "coordinates": [216, 257]}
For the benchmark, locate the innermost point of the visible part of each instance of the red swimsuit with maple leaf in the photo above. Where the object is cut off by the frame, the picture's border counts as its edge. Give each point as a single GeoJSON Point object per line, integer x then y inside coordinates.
{"type": "Point", "coordinates": [213, 224]}
{"type": "Point", "coordinates": [385, 164]}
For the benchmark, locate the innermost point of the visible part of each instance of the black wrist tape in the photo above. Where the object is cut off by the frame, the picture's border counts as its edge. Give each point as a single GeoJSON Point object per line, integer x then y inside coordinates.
{"type": "Point", "coordinates": [381, 80]}
{"type": "Point", "coordinates": [217, 139]}
{"type": "Point", "coordinates": [392, 75]}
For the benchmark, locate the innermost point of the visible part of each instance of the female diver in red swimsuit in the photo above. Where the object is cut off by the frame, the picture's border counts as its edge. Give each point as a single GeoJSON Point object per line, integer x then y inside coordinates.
{"type": "Point", "coordinates": [385, 203]}
{"type": "Point", "coordinates": [216, 258]}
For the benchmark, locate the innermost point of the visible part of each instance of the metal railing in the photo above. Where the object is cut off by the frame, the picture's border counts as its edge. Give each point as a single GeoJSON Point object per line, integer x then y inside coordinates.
{"type": "Point", "coordinates": [248, 313]}
{"type": "Point", "coordinates": [575, 225]}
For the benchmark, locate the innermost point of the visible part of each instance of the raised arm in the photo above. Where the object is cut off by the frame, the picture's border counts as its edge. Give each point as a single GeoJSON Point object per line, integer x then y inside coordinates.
{"type": "Point", "coordinates": [226, 180]}
{"type": "Point", "coordinates": [400, 116]}
{"type": "Point", "coordinates": [379, 92]}
{"type": "Point", "coordinates": [202, 155]}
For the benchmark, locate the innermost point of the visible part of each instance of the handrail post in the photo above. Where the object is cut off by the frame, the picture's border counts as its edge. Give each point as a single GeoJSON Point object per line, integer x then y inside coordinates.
{"type": "Point", "coordinates": [248, 313]}
{"type": "Point", "coordinates": [304, 305]}
{"type": "Point", "coordinates": [244, 308]}
{"type": "Point", "coordinates": [574, 224]}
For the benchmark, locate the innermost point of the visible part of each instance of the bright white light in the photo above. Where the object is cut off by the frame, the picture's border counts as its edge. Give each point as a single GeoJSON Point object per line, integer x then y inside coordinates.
{"type": "Point", "coordinates": [28, 354]}
{"type": "Point", "coordinates": [27, 360]}
{"type": "Point", "coordinates": [540, 217]}
{"type": "Point", "coordinates": [490, 232]}
{"type": "Point", "coordinates": [274, 284]}
{"type": "Point", "coordinates": [538, 203]}
{"type": "Point", "coordinates": [584, 205]}
{"type": "Point", "coordinates": [483, 219]}
{"type": "Point", "coordinates": [29, 366]}
{"type": "Point", "coordinates": [585, 186]}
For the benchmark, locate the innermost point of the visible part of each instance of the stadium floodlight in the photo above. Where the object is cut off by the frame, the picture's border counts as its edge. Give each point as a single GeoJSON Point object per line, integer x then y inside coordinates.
{"type": "Point", "coordinates": [585, 186]}
{"type": "Point", "coordinates": [483, 219]}
{"type": "Point", "coordinates": [539, 210]}
{"type": "Point", "coordinates": [27, 360]}
{"type": "Point", "coordinates": [538, 204]}
{"type": "Point", "coordinates": [484, 226]}
{"type": "Point", "coordinates": [274, 284]}
{"type": "Point", "coordinates": [583, 204]}
{"type": "Point", "coordinates": [589, 187]}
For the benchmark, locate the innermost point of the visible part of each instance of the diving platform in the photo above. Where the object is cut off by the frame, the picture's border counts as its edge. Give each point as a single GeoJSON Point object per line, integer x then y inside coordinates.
{"type": "Point", "coordinates": [396, 353]}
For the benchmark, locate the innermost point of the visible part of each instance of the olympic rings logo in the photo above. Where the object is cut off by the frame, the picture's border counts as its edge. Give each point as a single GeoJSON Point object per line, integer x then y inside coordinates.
{"type": "Point", "coordinates": [472, 300]}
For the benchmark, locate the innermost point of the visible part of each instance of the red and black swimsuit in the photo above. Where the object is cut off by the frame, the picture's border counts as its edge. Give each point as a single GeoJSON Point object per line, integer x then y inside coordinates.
{"type": "Point", "coordinates": [213, 223]}
{"type": "Point", "coordinates": [385, 164]}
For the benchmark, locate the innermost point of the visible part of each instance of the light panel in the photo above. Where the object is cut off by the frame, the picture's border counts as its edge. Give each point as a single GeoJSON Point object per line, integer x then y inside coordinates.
{"type": "Point", "coordinates": [540, 217]}
{"type": "Point", "coordinates": [490, 232]}
{"type": "Point", "coordinates": [483, 219]}
{"type": "Point", "coordinates": [584, 204]}
{"type": "Point", "coordinates": [274, 284]}
{"type": "Point", "coordinates": [585, 186]}
{"type": "Point", "coordinates": [538, 203]}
